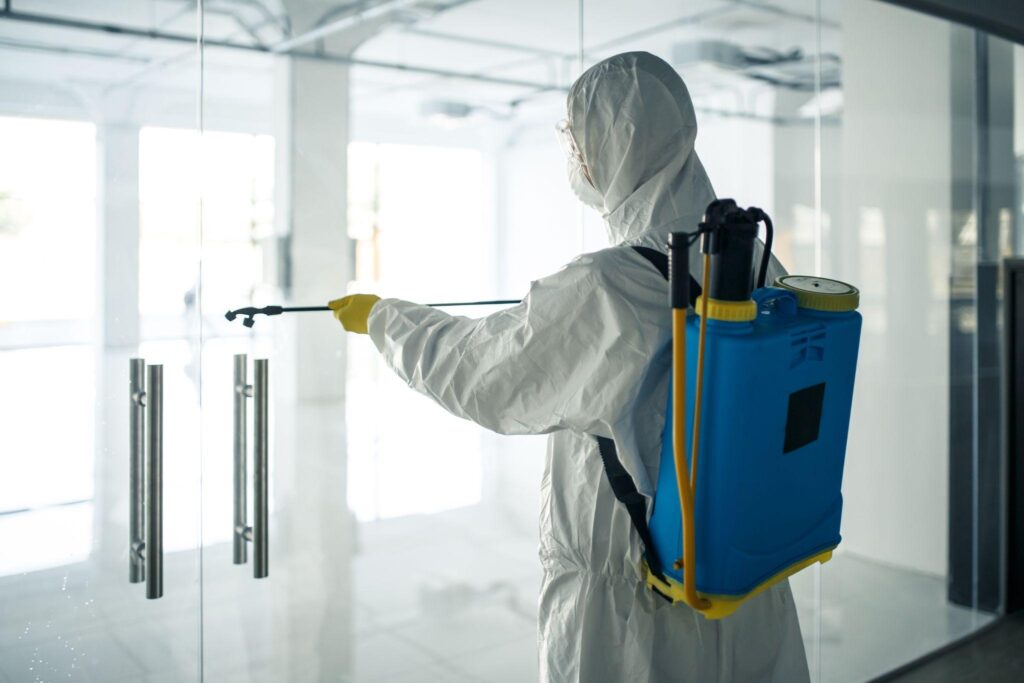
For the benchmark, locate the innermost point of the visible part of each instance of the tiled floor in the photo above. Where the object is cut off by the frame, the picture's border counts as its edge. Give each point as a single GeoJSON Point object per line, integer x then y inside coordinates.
{"type": "Point", "coordinates": [448, 596]}
{"type": "Point", "coordinates": [466, 613]}
{"type": "Point", "coordinates": [873, 618]}
{"type": "Point", "coordinates": [444, 597]}
{"type": "Point", "coordinates": [995, 656]}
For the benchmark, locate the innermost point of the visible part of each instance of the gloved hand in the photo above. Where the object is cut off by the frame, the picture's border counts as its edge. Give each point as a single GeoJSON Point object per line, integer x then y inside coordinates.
{"type": "Point", "coordinates": [353, 311]}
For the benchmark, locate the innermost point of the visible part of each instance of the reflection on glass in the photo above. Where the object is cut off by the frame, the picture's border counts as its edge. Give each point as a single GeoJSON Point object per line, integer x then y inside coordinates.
{"type": "Point", "coordinates": [415, 213]}
{"type": "Point", "coordinates": [73, 99]}
{"type": "Point", "coordinates": [237, 212]}
{"type": "Point", "coordinates": [42, 241]}
{"type": "Point", "coordinates": [838, 118]}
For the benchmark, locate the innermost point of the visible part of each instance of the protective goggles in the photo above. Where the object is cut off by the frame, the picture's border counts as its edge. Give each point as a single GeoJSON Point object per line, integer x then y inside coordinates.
{"type": "Point", "coordinates": [568, 142]}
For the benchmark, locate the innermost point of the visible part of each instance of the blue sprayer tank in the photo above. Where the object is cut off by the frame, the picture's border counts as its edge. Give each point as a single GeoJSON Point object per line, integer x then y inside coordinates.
{"type": "Point", "coordinates": [777, 394]}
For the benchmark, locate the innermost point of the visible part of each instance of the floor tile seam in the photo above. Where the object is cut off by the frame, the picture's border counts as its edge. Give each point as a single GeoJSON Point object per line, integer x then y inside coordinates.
{"type": "Point", "coordinates": [495, 647]}
{"type": "Point", "coordinates": [435, 657]}
{"type": "Point", "coordinates": [414, 621]}
{"type": "Point", "coordinates": [466, 653]}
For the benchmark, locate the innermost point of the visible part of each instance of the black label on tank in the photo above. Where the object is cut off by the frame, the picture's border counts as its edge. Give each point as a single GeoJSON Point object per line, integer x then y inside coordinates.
{"type": "Point", "coordinates": [804, 417]}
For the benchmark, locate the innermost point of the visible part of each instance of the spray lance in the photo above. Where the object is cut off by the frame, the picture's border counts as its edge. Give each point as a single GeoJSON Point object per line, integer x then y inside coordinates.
{"type": "Point", "coordinates": [717, 213]}
{"type": "Point", "coordinates": [249, 313]}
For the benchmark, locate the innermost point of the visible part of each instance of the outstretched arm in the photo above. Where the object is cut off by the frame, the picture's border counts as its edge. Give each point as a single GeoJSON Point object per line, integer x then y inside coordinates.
{"type": "Point", "coordinates": [548, 363]}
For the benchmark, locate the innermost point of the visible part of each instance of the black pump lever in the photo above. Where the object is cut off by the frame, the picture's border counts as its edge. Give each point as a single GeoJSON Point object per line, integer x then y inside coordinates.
{"type": "Point", "coordinates": [251, 312]}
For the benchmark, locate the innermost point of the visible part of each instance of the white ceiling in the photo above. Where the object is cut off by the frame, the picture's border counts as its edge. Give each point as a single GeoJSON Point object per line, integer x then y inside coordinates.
{"type": "Point", "coordinates": [529, 41]}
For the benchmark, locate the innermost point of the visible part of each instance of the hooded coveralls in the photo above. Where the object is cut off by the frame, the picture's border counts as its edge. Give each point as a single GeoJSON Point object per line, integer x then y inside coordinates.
{"type": "Point", "coordinates": [586, 354]}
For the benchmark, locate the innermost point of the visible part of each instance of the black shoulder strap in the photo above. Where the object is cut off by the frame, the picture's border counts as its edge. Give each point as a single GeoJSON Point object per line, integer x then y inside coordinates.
{"type": "Point", "coordinates": [657, 259]}
{"type": "Point", "coordinates": [622, 484]}
{"type": "Point", "coordinates": [660, 261]}
{"type": "Point", "coordinates": [626, 493]}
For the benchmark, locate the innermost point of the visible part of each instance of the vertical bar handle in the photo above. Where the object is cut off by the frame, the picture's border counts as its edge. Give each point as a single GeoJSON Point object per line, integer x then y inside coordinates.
{"type": "Point", "coordinates": [242, 391]}
{"type": "Point", "coordinates": [136, 469]}
{"type": "Point", "coordinates": [261, 531]}
{"type": "Point", "coordinates": [154, 548]}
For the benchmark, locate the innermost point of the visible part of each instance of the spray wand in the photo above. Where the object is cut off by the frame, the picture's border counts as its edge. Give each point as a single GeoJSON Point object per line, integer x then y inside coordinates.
{"type": "Point", "coordinates": [251, 312]}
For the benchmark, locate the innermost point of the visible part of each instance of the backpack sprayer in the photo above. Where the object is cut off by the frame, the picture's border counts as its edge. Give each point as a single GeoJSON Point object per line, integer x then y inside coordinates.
{"type": "Point", "coordinates": [774, 372]}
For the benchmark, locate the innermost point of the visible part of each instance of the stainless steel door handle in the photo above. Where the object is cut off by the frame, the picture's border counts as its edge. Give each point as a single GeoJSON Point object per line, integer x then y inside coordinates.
{"type": "Point", "coordinates": [146, 433]}
{"type": "Point", "coordinates": [242, 391]}
{"type": "Point", "coordinates": [155, 482]}
{"type": "Point", "coordinates": [136, 469]}
{"type": "Point", "coordinates": [259, 532]}
{"type": "Point", "coordinates": [261, 523]}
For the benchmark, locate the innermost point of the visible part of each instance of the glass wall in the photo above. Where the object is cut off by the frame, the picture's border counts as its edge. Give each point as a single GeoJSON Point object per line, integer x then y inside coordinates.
{"type": "Point", "coordinates": [99, 249]}
{"type": "Point", "coordinates": [464, 172]}
{"type": "Point", "coordinates": [161, 164]}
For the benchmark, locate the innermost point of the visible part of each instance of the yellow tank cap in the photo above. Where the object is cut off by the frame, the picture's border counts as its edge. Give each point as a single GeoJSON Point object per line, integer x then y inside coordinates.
{"type": "Point", "coordinates": [821, 293]}
{"type": "Point", "coordinates": [731, 311]}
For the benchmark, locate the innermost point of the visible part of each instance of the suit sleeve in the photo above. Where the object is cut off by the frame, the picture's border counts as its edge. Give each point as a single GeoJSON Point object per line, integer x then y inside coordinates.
{"type": "Point", "coordinates": [562, 359]}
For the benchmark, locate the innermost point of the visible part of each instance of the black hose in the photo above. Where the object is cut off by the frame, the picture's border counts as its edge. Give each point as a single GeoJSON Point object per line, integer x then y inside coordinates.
{"type": "Point", "coordinates": [767, 255]}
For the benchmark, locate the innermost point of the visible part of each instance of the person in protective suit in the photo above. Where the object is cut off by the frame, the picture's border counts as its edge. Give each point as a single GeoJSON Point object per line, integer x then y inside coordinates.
{"type": "Point", "coordinates": [587, 354]}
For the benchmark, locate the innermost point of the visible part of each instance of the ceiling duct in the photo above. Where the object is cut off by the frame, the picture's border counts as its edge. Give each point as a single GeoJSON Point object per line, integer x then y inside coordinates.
{"type": "Point", "coordinates": [792, 70]}
{"type": "Point", "coordinates": [714, 52]}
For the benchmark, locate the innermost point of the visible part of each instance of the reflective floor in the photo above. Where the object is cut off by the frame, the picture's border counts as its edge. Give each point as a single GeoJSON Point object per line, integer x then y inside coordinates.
{"type": "Point", "coordinates": [873, 618]}
{"type": "Point", "coordinates": [994, 656]}
{"type": "Point", "coordinates": [448, 595]}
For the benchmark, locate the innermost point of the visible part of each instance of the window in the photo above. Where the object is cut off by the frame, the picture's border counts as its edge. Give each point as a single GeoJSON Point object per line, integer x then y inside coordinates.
{"type": "Point", "coordinates": [417, 216]}
{"type": "Point", "coordinates": [47, 220]}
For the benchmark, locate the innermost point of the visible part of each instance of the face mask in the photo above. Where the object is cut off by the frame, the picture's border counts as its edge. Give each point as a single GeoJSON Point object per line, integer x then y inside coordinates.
{"type": "Point", "coordinates": [586, 192]}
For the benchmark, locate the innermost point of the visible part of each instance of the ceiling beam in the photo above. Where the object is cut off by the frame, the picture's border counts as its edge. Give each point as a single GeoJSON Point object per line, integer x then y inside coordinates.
{"type": "Point", "coordinates": [128, 31]}
{"type": "Point", "coordinates": [344, 23]}
{"type": "Point", "coordinates": [488, 43]}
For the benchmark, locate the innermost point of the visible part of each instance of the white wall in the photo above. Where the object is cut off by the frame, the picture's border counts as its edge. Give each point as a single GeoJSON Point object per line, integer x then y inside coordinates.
{"type": "Point", "coordinates": [1018, 105]}
{"type": "Point", "coordinates": [738, 155]}
{"type": "Point", "coordinates": [893, 243]}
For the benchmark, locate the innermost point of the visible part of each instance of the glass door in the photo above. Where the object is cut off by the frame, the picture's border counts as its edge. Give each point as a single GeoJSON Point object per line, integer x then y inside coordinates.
{"type": "Point", "coordinates": [277, 534]}
{"type": "Point", "coordinates": [99, 373]}
{"type": "Point", "coordinates": [400, 542]}
{"type": "Point", "coordinates": [802, 109]}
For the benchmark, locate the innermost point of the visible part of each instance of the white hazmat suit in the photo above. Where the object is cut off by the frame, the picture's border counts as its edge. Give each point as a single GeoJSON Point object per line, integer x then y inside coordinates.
{"type": "Point", "coordinates": [587, 354]}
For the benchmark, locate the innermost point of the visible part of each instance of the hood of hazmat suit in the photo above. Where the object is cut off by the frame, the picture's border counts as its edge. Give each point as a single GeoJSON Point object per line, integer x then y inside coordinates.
{"type": "Point", "coordinates": [586, 354]}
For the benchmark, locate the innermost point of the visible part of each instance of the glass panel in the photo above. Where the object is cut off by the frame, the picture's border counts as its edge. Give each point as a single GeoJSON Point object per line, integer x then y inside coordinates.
{"type": "Point", "coordinates": [1016, 237]}
{"type": "Point", "coordinates": [272, 628]}
{"type": "Point", "coordinates": [467, 175]}
{"type": "Point", "coordinates": [905, 191]}
{"type": "Point", "coordinates": [398, 173]}
{"type": "Point", "coordinates": [763, 80]}
{"type": "Point", "coordinates": [412, 154]}
{"type": "Point", "coordinates": [922, 476]}
{"type": "Point", "coordinates": [415, 198]}
{"type": "Point", "coordinates": [74, 97]}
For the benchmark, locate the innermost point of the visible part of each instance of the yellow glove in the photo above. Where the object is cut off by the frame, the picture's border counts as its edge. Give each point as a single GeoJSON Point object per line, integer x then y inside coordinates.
{"type": "Point", "coordinates": [353, 311]}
